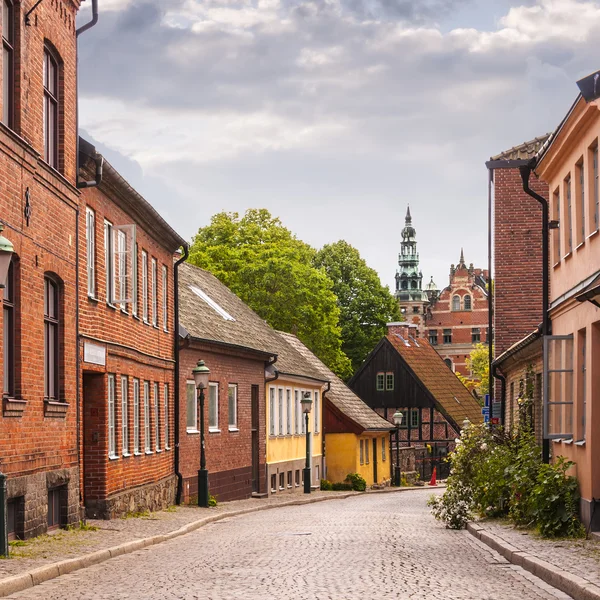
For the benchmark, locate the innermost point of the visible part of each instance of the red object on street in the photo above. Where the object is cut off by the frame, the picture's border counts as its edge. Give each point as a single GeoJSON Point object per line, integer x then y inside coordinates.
{"type": "Point", "coordinates": [433, 477]}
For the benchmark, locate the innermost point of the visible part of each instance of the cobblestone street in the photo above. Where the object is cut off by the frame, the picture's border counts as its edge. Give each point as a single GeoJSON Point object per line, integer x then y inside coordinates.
{"type": "Point", "coordinates": [371, 546]}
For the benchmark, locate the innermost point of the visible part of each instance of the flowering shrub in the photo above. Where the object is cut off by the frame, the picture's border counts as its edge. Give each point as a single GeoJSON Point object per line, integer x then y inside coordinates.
{"type": "Point", "coordinates": [453, 507]}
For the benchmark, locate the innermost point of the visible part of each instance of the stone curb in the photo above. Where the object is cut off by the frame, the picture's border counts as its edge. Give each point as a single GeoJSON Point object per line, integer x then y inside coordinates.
{"type": "Point", "coordinates": [577, 587]}
{"type": "Point", "coordinates": [18, 583]}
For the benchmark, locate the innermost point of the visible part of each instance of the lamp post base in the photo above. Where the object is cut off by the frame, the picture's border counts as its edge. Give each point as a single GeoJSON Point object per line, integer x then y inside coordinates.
{"type": "Point", "coordinates": [203, 488]}
{"type": "Point", "coordinates": [306, 480]}
{"type": "Point", "coordinates": [397, 478]}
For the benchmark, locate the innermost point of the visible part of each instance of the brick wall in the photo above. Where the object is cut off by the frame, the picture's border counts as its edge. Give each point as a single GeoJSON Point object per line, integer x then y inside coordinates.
{"type": "Point", "coordinates": [39, 447]}
{"type": "Point", "coordinates": [228, 453]}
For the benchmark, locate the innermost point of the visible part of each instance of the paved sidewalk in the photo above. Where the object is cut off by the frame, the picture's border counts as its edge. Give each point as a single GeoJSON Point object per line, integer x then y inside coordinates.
{"type": "Point", "coordinates": [48, 556]}
{"type": "Point", "coordinates": [572, 566]}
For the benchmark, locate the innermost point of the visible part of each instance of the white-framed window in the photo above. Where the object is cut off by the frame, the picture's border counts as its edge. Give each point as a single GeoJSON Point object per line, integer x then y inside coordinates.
{"type": "Point", "coordinates": [467, 302]}
{"type": "Point", "coordinates": [213, 406]}
{"type": "Point", "coordinates": [154, 295]}
{"type": "Point", "coordinates": [124, 416]}
{"type": "Point", "coordinates": [232, 391]}
{"type": "Point", "coordinates": [383, 442]}
{"type": "Point", "coordinates": [136, 416]}
{"type": "Point", "coordinates": [134, 282]}
{"type": "Point", "coordinates": [112, 433]}
{"type": "Point", "coordinates": [414, 418]}
{"type": "Point", "coordinates": [280, 412]}
{"type": "Point", "coordinates": [389, 382]}
{"type": "Point", "coordinates": [271, 411]}
{"type": "Point", "coordinates": [302, 416]}
{"type": "Point", "coordinates": [165, 298]}
{"type": "Point", "coordinates": [122, 267]}
{"type": "Point", "coordinates": [558, 384]}
{"type": "Point", "coordinates": [156, 418]}
{"type": "Point", "coordinates": [455, 303]}
{"type": "Point", "coordinates": [362, 452]}
{"type": "Point", "coordinates": [367, 451]}
{"type": "Point", "coordinates": [192, 408]}
{"type": "Point", "coordinates": [108, 260]}
{"type": "Point", "coordinates": [380, 382]}
{"type": "Point", "coordinates": [298, 411]}
{"type": "Point", "coordinates": [147, 433]}
{"type": "Point", "coordinates": [288, 401]}
{"type": "Point", "coordinates": [166, 407]}
{"type": "Point", "coordinates": [90, 236]}
{"type": "Point", "coordinates": [145, 286]}
{"type": "Point", "coordinates": [316, 412]}
{"type": "Point", "coordinates": [569, 213]}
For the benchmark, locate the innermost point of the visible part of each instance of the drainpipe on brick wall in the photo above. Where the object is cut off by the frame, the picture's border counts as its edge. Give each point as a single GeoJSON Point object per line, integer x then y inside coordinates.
{"type": "Point", "coordinates": [490, 336]}
{"type": "Point", "coordinates": [176, 399]}
{"type": "Point", "coordinates": [497, 375]}
{"type": "Point", "coordinates": [546, 323]}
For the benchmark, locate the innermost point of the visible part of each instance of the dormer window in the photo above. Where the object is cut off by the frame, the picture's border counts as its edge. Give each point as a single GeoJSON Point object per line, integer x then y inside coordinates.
{"type": "Point", "coordinates": [50, 108]}
{"type": "Point", "coordinates": [8, 83]}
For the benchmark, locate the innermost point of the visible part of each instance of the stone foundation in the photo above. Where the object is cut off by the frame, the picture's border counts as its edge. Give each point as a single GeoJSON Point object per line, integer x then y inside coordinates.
{"type": "Point", "coordinates": [153, 496]}
{"type": "Point", "coordinates": [30, 496]}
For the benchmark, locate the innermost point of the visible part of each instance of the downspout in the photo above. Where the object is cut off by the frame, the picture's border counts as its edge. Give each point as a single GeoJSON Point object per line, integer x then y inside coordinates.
{"type": "Point", "coordinates": [268, 380]}
{"type": "Point", "coordinates": [77, 349]}
{"type": "Point", "coordinates": [491, 291]}
{"type": "Point", "coordinates": [176, 399]}
{"type": "Point", "coordinates": [546, 323]}
{"type": "Point", "coordinates": [323, 424]}
{"type": "Point", "coordinates": [497, 375]}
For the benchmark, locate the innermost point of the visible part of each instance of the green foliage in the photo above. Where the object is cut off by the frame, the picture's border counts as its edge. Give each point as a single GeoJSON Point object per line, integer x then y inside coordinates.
{"type": "Point", "coordinates": [212, 501]}
{"type": "Point", "coordinates": [478, 363]}
{"type": "Point", "coordinates": [326, 485]}
{"type": "Point", "coordinates": [272, 271]}
{"type": "Point", "coordinates": [357, 481]}
{"type": "Point", "coordinates": [495, 474]}
{"type": "Point", "coordinates": [341, 486]}
{"type": "Point", "coordinates": [365, 304]}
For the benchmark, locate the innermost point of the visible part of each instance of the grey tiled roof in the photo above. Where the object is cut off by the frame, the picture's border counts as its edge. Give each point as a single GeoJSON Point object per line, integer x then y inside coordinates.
{"type": "Point", "coordinates": [340, 395]}
{"type": "Point", "coordinates": [523, 151]}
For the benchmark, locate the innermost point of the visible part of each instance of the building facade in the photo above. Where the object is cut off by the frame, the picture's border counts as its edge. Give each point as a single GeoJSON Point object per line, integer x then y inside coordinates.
{"type": "Point", "coordinates": [127, 350]}
{"type": "Point", "coordinates": [39, 208]}
{"type": "Point", "coordinates": [457, 321]}
{"type": "Point", "coordinates": [569, 164]}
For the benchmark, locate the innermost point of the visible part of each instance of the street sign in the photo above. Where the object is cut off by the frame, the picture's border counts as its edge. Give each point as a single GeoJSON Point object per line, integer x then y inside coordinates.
{"type": "Point", "coordinates": [486, 400]}
{"type": "Point", "coordinates": [495, 421]}
{"type": "Point", "coordinates": [485, 411]}
{"type": "Point", "coordinates": [486, 418]}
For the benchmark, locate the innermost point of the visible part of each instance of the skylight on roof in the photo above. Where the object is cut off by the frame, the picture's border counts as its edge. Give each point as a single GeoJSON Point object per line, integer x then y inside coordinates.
{"type": "Point", "coordinates": [218, 309]}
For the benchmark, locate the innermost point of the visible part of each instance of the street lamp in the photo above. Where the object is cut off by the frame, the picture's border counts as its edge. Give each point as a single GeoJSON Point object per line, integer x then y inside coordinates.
{"type": "Point", "coordinates": [6, 252]}
{"type": "Point", "coordinates": [398, 416]}
{"type": "Point", "coordinates": [201, 373]}
{"type": "Point", "coordinates": [306, 403]}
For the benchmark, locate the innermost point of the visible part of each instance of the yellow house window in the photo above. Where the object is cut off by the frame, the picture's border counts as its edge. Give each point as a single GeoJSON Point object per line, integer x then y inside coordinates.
{"type": "Point", "coordinates": [383, 449]}
{"type": "Point", "coordinates": [362, 452]}
{"type": "Point", "coordinates": [367, 452]}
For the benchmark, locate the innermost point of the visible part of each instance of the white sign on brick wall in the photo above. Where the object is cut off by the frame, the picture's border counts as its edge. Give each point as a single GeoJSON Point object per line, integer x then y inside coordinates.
{"type": "Point", "coordinates": [94, 354]}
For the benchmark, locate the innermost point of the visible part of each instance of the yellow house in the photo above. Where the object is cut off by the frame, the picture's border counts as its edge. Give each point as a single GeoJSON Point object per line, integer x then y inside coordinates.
{"type": "Point", "coordinates": [287, 380]}
{"type": "Point", "coordinates": [356, 438]}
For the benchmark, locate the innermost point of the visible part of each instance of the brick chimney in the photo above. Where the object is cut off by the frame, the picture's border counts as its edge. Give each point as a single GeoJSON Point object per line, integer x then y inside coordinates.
{"type": "Point", "coordinates": [402, 328]}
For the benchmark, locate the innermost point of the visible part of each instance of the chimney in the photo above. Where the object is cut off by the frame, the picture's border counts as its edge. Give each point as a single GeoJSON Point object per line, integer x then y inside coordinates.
{"type": "Point", "coordinates": [402, 328]}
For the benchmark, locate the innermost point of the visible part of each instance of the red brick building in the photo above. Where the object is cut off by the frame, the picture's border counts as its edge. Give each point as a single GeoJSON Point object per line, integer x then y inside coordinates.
{"type": "Point", "coordinates": [457, 319]}
{"type": "Point", "coordinates": [127, 347]}
{"type": "Point", "coordinates": [39, 210]}
{"type": "Point", "coordinates": [236, 345]}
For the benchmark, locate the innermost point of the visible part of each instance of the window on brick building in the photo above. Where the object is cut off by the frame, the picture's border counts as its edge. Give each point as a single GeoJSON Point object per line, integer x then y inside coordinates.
{"type": "Point", "coordinates": [288, 403]}
{"type": "Point", "coordinates": [467, 302]}
{"type": "Point", "coordinates": [134, 281]}
{"type": "Point", "coordinates": [455, 303]}
{"type": "Point", "coordinates": [112, 430]}
{"type": "Point", "coordinates": [165, 298]}
{"type": "Point", "coordinates": [380, 383]}
{"type": "Point", "coordinates": [414, 418]}
{"type": "Point", "coordinates": [191, 407]}
{"type": "Point", "coordinates": [154, 294]}
{"type": "Point", "coordinates": [52, 351]}
{"type": "Point", "coordinates": [449, 364]}
{"type": "Point", "coordinates": [433, 337]}
{"type": "Point", "coordinates": [108, 260]}
{"type": "Point", "coordinates": [475, 335]}
{"type": "Point", "coordinates": [447, 336]}
{"type": "Point", "coordinates": [389, 381]}
{"type": "Point", "coordinates": [595, 186]}
{"type": "Point", "coordinates": [156, 418]}
{"type": "Point", "coordinates": [51, 111]}
{"type": "Point", "coordinates": [57, 507]}
{"type": "Point", "coordinates": [213, 406]}
{"type": "Point", "coordinates": [147, 430]}
{"type": "Point", "coordinates": [9, 331]}
{"type": "Point", "coordinates": [166, 408]}
{"type": "Point", "coordinates": [136, 416]}
{"type": "Point", "coordinates": [145, 286]}
{"type": "Point", "coordinates": [271, 411]}
{"type": "Point", "coordinates": [232, 391]}
{"type": "Point", "coordinates": [8, 79]}
{"type": "Point", "coordinates": [124, 416]}
{"type": "Point", "coordinates": [90, 235]}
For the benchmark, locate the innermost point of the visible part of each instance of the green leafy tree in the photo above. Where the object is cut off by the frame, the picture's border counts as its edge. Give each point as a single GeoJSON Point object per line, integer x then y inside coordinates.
{"type": "Point", "coordinates": [365, 304]}
{"type": "Point", "coordinates": [479, 365]}
{"type": "Point", "coordinates": [272, 271]}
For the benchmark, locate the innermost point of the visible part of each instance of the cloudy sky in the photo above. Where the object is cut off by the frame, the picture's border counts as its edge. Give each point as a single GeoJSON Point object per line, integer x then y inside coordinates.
{"type": "Point", "coordinates": [333, 114]}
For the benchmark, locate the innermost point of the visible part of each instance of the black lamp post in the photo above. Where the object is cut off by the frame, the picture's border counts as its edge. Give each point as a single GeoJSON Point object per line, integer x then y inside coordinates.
{"type": "Point", "coordinates": [306, 403]}
{"type": "Point", "coordinates": [6, 252]}
{"type": "Point", "coordinates": [398, 416]}
{"type": "Point", "coordinates": [201, 373]}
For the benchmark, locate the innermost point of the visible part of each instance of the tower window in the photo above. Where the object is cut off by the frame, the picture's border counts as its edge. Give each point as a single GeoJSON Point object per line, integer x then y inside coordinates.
{"type": "Point", "coordinates": [405, 285]}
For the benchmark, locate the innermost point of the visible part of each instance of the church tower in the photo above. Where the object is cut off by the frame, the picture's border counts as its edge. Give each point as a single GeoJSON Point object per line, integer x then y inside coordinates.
{"type": "Point", "coordinates": [412, 299]}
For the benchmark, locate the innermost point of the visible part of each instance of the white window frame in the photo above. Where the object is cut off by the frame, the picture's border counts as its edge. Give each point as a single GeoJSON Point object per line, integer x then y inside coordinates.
{"type": "Point", "coordinates": [562, 370]}
{"type": "Point", "coordinates": [361, 446]}
{"type": "Point", "coordinates": [108, 260]}
{"type": "Point", "coordinates": [145, 286]}
{"type": "Point", "coordinates": [232, 423]}
{"type": "Point", "coordinates": [124, 415]}
{"type": "Point", "coordinates": [136, 416]}
{"type": "Point", "coordinates": [280, 412]}
{"type": "Point", "coordinates": [214, 427]}
{"type": "Point", "coordinates": [383, 444]}
{"type": "Point", "coordinates": [302, 415]}
{"type": "Point", "coordinates": [367, 461]}
{"type": "Point", "coordinates": [112, 432]}
{"type": "Point", "coordinates": [316, 411]}
{"type": "Point", "coordinates": [165, 297]}
{"type": "Point", "coordinates": [298, 411]}
{"type": "Point", "coordinates": [191, 428]}
{"type": "Point", "coordinates": [122, 267]}
{"type": "Point", "coordinates": [166, 409]}
{"type": "Point", "coordinates": [154, 294]}
{"type": "Point", "coordinates": [288, 405]}
{"type": "Point", "coordinates": [90, 234]}
{"type": "Point", "coordinates": [156, 418]}
{"type": "Point", "coordinates": [388, 387]}
{"type": "Point", "coordinates": [272, 410]}
{"type": "Point", "coordinates": [134, 282]}
{"type": "Point", "coordinates": [380, 381]}
{"type": "Point", "coordinates": [147, 429]}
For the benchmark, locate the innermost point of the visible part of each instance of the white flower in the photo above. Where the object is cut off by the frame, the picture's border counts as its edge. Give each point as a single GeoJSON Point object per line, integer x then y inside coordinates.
{"type": "Point", "coordinates": [484, 446]}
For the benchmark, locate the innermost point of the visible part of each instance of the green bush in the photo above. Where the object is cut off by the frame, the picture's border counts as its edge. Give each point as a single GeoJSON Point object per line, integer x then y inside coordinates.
{"type": "Point", "coordinates": [341, 486]}
{"type": "Point", "coordinates": [326, 485]}
{"type": "Point", "coordinates": [357, 481]}
{"type": "Point", "coordinates": [212, 501]}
